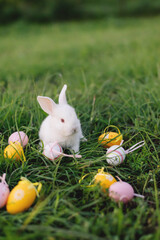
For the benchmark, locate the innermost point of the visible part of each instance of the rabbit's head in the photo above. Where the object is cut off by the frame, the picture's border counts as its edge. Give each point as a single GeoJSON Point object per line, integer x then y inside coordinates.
{"type": "Point", "coordinates": [63, 116]}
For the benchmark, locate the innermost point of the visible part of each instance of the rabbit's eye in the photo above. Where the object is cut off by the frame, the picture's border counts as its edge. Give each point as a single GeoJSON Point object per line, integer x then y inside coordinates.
{"type": "Point", "coordinates": [62, 120]}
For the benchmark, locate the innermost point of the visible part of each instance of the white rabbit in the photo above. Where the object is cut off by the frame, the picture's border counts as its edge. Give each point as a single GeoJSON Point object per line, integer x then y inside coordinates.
{"type": "Point", "coordinates": [62, 125]}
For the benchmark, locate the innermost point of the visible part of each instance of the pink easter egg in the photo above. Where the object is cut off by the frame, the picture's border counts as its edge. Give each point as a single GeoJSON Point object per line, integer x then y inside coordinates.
{"type": "Point", "coordinates": [52, 151]}
{"type": "Point", "coordinates": [20, 137]}
{"type": "Point", "coordinates": [4, 192]}
{"type": "Point", "coordinates": [121, 191]}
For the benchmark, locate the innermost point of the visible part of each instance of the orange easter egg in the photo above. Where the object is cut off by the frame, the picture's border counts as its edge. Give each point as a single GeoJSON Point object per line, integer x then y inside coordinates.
{"type": "Point", "coordinates": [109, 139]}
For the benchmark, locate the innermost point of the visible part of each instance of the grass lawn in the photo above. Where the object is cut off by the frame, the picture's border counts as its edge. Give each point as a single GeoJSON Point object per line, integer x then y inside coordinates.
{"type": "Point", "coordinates": [112, 69]}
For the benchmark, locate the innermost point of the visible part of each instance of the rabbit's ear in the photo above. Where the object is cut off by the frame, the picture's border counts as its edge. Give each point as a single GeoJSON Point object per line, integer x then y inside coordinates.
{"type": "Point", "coordinates": [62, 95]}
{"type": "Point", "coordinates": [47, 104]}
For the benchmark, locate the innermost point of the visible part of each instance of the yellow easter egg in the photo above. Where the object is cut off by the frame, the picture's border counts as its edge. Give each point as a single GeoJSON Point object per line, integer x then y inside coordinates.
{"type": "Point", "coordinates": [22, 196]}
{"type": "Point", "coordinates": [104, 179]}
{"type": "Point", "coordinates": [109, 139]}
{"type": "Point", "coordinates": [14, 151]}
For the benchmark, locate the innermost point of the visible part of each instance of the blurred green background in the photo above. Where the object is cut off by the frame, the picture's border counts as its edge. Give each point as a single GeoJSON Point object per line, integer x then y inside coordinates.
{"type": "Point", "coordinates": [62, 10]}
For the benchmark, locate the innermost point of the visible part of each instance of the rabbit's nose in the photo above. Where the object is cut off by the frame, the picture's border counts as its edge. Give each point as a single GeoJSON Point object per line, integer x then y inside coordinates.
{"type": "Point", "coordinates": [74, 130]}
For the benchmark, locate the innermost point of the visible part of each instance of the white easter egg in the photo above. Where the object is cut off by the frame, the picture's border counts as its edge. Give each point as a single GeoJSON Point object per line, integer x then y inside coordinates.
{"type": "Point", "coordinates": [52, 151]}
{"type": "Point", "coordinates": [115, 155]}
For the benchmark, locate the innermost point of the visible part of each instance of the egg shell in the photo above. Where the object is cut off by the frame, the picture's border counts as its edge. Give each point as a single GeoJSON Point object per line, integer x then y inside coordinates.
{"type": "Point", "coordinates": [104, 179]}
{"type": "Point", "coordinates": [4, 193]}
{"type": "Point", "coordinates": [20, 137]}
{"type": "Point", "coordinates": [115, 155]}
{"type": "Point", "coordinates": [106, 139]}
{"type": "Point", "coordinates": [121, 191]}
{"type": "Point", "coordinates": [21, 197]}
{"type": "Point", "coordinates": [14, 151]}
{"type": "Point", "coordinates": [49, 151]}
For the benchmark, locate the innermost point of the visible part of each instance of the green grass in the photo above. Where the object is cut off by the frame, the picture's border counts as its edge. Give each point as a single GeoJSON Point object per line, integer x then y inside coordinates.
{"type": "Point", "coordinates": [112, 69]}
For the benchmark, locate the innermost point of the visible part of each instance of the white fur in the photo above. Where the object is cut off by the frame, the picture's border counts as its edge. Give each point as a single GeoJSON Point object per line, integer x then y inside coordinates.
{"type": "Point", "coordinates": [67, 133]}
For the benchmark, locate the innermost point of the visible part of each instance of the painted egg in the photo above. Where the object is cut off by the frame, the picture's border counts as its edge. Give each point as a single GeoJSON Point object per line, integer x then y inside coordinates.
{"type": "Point", "coordinates": [121, 191]}
{"type": "Point", "coordinates": [20, 137]}
{"type": "Point", "coordinates": [14, 151]}
{"type": "Point", "coordinates": [104, 179]}
{"type": "Point", "coordinates": [115, 155]}
{"type": "Point", "coordinates": [21, 197]}
{"type": "Point", "coordinates": [52, 151]}
{"type": "Point", "coordinates": [109, 139]}
{"type": "Point", "coordinates": [4, 191]}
